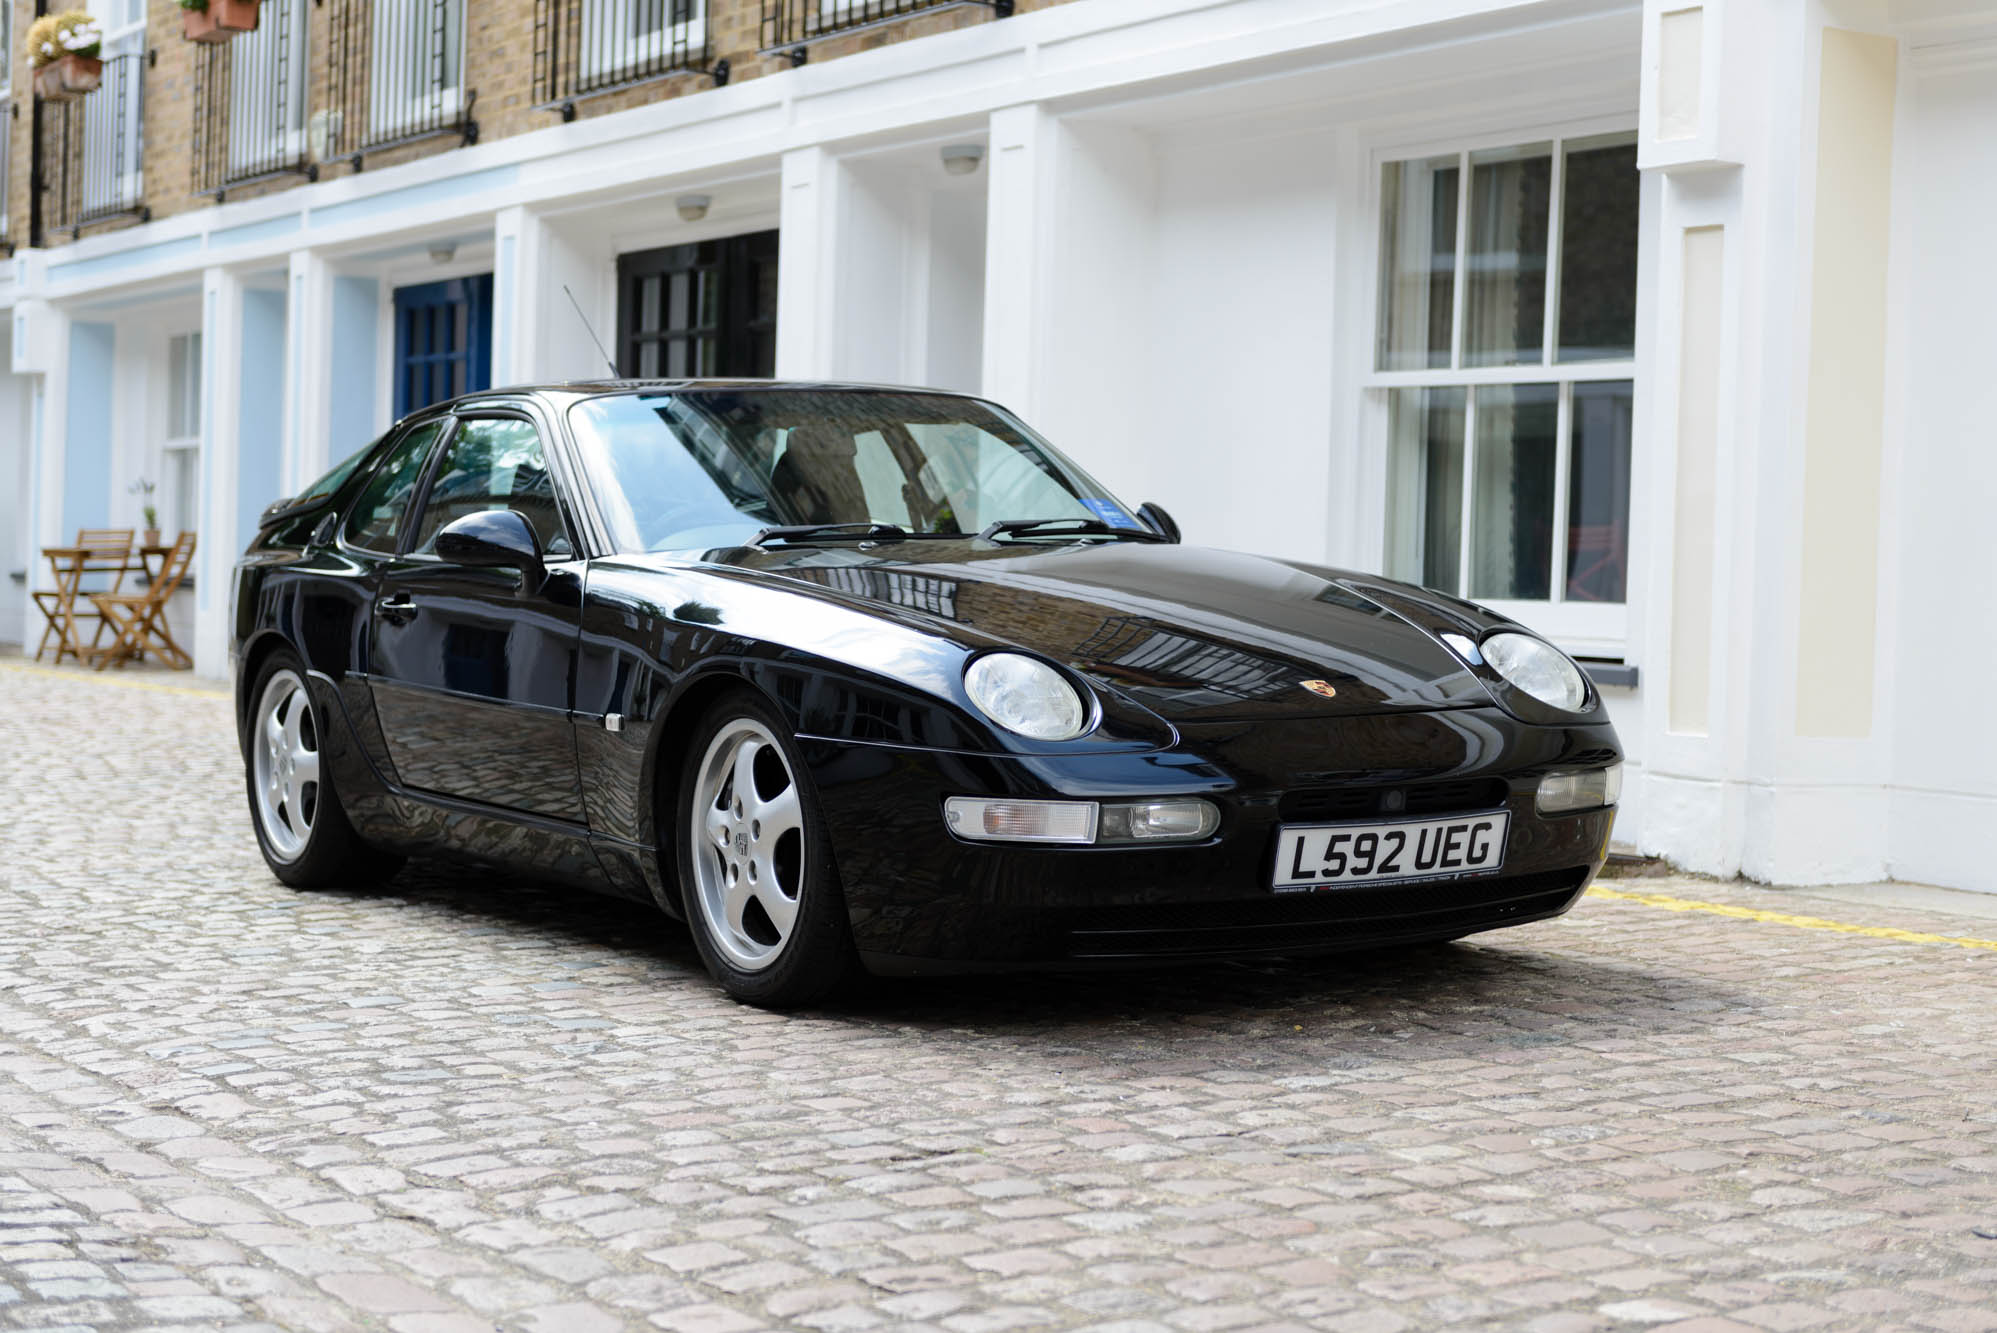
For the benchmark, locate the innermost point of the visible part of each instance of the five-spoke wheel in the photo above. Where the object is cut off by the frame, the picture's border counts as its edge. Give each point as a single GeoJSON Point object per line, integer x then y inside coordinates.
{"type": "Point", "coordinates": [760, 891]}
{"type": "Point", "coordinates": [284, 754]}
{"type": "Point", "coordinates": [301, 825]}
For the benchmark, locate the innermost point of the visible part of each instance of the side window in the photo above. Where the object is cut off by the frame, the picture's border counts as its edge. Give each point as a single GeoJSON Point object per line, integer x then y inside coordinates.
{"type": "Point", "coordinates": [376, 522]}
{"type": "Point", "coordinates": [495, 463]}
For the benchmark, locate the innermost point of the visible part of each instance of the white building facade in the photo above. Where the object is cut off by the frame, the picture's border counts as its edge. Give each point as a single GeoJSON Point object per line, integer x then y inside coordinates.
{"type": "Point", "coordinates": [1662, 327]}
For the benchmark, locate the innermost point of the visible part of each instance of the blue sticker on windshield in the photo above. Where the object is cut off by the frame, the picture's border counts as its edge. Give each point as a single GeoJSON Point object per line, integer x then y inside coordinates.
{"type": "Point", "coordinates": [1110, 512]}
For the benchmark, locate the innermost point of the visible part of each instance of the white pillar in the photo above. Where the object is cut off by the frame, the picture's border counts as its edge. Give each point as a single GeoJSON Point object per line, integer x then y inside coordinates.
{"type": "Point", "coordinates": [806, 272]}
{"type": "Point", "coordinates": [41, 353]}
{"type": "Point", "coordinates": [1018, 205]}
{"type": "Point", "coordinates": [1766, 744]}
{"type": "Point", "coordinates": [221, 415]}
{"type": "Point", "coordinates": [308, 377]}
{"type": "Point", "coordinates": [516, 304]}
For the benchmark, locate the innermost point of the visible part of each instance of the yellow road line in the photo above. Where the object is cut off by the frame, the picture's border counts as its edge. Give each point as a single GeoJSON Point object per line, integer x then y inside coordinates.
{"type": "Point", "coordinates": [1670, 904]}
{"type": "Point", "coordinates": [127, 682]}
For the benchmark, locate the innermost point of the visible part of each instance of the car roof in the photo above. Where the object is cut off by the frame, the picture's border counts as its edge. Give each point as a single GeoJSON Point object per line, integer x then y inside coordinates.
{"type": "Point", "coordinates": [609, 387]}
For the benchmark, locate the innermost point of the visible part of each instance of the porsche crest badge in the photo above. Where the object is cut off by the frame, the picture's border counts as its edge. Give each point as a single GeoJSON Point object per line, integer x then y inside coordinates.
{"type": "Point", "coordinates": [1323, 687]}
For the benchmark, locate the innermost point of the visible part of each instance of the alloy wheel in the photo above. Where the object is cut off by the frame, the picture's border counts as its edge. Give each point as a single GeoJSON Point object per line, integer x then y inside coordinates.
{"type": "Point", "coordinates": [285, 754]}
{"type": "Point", "coordinates": [747, 836]}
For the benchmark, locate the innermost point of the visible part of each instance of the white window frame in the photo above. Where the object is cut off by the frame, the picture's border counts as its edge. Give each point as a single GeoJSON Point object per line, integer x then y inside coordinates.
{"type": "Point", "coordinates": [606, 59]}
{"type": "Point", "coordinates": [1595, 629]}
{"type": "Point", "coordinates": [251, 143]}
{"type": "Point", "coordinates": [184, 447]}
{"type": "Point", "coordinates": [392, 109]}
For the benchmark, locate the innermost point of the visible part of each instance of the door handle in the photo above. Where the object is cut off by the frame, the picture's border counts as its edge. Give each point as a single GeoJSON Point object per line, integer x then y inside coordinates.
{"type": "Point", "coordinates": [397, 610]}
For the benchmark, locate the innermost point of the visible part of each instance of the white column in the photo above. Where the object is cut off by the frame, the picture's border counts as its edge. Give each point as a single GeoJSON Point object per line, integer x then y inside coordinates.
{"type": "Point", "coordinates": [554, 299]}
{"type": "Point", "coordinates": [1017, 206]}
{"type": "Point", "coordinates": [516, 304]}
{"type": "Point", "coordinates": [308, 378]}
{"type": "Point", "coordinates": [806, 272]}
{"type": "Point", "coordinates": [221, 414]}
{"type": "Point", "coordinates": [1760, 452]}
{"type": "Point", "coordinates": [41, 352]}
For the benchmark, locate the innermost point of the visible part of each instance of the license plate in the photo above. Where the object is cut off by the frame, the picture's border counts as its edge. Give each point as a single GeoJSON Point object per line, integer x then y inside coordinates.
{"type": "Point", "coordinates": [1320, 856]}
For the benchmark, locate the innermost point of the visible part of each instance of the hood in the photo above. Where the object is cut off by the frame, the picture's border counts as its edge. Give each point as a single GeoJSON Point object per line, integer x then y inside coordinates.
{"type": "Point", "coordinates": [1193, 634]}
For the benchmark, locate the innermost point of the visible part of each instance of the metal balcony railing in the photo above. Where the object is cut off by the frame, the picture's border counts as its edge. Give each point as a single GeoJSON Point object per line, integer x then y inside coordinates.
{"type": "Point", "coordinates": [584, 47]}
{"type": "Point", "coordinates": [394, 74]}
{"type": "Point", "coordinates": [93, 149]}
{"type": "Point", "coordinates": [250, 97]}
{"type": "Point", "coordinates": [792, 25]}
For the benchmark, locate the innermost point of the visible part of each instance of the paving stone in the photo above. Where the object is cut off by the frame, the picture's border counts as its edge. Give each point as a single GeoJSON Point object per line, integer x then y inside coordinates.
{"type": "Point", "coordinates": [464, 1101]}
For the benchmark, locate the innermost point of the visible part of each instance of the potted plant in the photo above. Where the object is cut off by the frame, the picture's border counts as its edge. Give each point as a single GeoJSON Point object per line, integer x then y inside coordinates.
{"type": "Point", "coordinates": [144, 490]}
{"type": "Point", "coordinates": [63, 49]}
{"type": "Point", "coordinates": [216, 21]}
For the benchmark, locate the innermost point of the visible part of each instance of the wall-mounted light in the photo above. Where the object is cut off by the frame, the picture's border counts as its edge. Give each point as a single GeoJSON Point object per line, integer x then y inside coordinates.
{"type": "Point", "coordinates": [443, 252]}
{"type": "Point", "coordinates": [692, 207]}
{"type": "Point", "coordinates": [961, 159]}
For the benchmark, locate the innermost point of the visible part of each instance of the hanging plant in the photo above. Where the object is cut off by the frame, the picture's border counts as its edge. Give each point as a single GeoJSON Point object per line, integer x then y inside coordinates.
{"type": "Point", "coordinates": [215, 21]}
{"type": "Point", "coordinates": [63, 49]}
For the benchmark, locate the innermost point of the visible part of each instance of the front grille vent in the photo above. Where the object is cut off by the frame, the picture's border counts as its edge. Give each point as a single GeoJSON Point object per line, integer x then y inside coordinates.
{"type": "Point", "coordinates": [1308, 922]}
{"type": "Point", "coordinates": [1327, 805]}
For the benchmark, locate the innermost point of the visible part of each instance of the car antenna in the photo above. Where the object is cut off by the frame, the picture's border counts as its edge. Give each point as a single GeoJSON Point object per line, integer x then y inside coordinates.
{"type": "Point", "coordinates": [590, 331]}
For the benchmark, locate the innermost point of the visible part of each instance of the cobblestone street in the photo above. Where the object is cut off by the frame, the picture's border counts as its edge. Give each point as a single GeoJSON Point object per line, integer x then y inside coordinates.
{"type": "Point", "coordinates": [464, 1104]}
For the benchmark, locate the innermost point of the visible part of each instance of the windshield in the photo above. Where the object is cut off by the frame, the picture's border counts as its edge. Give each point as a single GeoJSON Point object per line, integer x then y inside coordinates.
{"type": "Point", "coordinates": [706, 469]}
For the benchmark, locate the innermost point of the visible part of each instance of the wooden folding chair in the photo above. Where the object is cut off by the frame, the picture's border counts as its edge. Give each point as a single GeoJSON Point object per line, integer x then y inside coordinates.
{"type": "Point", "coordinates": [98, 552]}
{"type": "Point", "coordinates": [139, 619]}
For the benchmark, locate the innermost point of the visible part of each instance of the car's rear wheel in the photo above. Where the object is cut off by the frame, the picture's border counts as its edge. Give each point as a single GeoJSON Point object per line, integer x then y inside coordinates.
{"type": "Point", "coordinates": [301, 826]}
{"type": "Point", "coordinates": [756, 872]}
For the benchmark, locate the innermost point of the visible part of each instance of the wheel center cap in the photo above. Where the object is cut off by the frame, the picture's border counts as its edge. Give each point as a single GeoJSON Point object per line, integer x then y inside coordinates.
{"type": "Point", "coordinates": [741, 844]}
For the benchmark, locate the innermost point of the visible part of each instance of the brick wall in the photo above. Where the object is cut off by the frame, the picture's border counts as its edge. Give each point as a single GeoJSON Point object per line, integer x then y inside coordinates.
{"type": "Point", "coordinates": [499, 65]}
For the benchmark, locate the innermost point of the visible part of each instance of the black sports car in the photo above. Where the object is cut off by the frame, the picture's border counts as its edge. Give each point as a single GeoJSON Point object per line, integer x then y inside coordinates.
{"type": "Point", "coordinates": [870, 677]}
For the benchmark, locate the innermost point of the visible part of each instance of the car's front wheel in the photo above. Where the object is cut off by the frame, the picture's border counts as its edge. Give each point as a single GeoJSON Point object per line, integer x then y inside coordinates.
{"type": "Point", "coordinates": [755, 865]}
{"type": "Point", "coordinates": [301, 826]}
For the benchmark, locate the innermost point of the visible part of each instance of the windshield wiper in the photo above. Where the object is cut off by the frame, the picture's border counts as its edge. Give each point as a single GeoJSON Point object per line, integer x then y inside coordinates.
{"type": "Point", "coordinates": [852, 532]}
{"type": "Point", "coordinates": [1075, 527]}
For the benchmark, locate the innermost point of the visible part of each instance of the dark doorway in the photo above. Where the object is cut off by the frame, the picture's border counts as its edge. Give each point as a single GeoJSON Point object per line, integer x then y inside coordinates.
{"type": "Point", "coordinates": [700, 310]}
{"type": "Point", "coordinates": [443, 341]}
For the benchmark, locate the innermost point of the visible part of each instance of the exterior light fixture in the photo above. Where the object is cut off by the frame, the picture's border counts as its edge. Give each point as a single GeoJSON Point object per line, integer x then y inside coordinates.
{"type": "Point", "coordinates": [692, 207]}
{"type": "Point", "coordinates": [443, 252]}
{"type": "Point", "coordinates": [961, 159]}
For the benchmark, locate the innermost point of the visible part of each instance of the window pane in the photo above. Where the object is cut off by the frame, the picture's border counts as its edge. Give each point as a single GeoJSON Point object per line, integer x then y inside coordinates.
{"type": "Point", "coordinates": [183, 489]}
{"type": "Point", "coordinates": [377, 516]}
{"type": "Point", "coordinates": [1598, 249]}
{"type": "Point", "coordinates": [1598, 493]}
{"type": "Point", "coordinates": [494, 463]}
{"type": "Point", "coordinates": [1425, 486]}
{"type": "Point", "coordinates": [1417, 263]}
{"type": "Point", "coordinates": [182, 402]}
{"type": "Point", "coordinates": [1505, 313]}
{"type": "Point", "coordinates": [1512, 527]}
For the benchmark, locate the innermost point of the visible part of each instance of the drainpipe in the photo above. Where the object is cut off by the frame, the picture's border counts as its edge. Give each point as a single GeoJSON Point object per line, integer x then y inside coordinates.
{"type": "Point", "coordinates": [35, 176]}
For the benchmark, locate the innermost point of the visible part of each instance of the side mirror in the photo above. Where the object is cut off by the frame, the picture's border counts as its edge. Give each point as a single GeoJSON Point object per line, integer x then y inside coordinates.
{"type": "Point", "coordinates": [1161, 522]}
{"type": "Point", "coordinates": [493, 539]}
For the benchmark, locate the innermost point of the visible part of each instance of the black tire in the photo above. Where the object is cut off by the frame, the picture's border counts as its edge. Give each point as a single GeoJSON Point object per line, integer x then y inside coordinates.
{"type": "Point", "coordinates": [327, 853]}
{"type": "Point", "coordinates": [814, 958]}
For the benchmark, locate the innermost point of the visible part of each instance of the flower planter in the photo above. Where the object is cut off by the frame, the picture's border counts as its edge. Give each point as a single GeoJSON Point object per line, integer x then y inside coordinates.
{"type": "Point", "coordinates": [220, 21]}
{"type": "Point", "coordinates": [68, 77]}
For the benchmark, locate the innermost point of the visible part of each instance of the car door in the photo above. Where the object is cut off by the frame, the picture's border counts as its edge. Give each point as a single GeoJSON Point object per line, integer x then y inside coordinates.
{"type": "Point", "coordinates": [472, 669]}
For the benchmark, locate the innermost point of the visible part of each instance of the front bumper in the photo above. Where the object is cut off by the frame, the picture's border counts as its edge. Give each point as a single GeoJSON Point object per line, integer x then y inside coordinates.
{"type": "Point", "coordinates": [921, 900]}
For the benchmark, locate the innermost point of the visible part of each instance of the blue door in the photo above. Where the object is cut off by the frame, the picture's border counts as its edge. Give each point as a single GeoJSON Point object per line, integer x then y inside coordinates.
{"type": "Point", "coordinates": [443, 341]}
